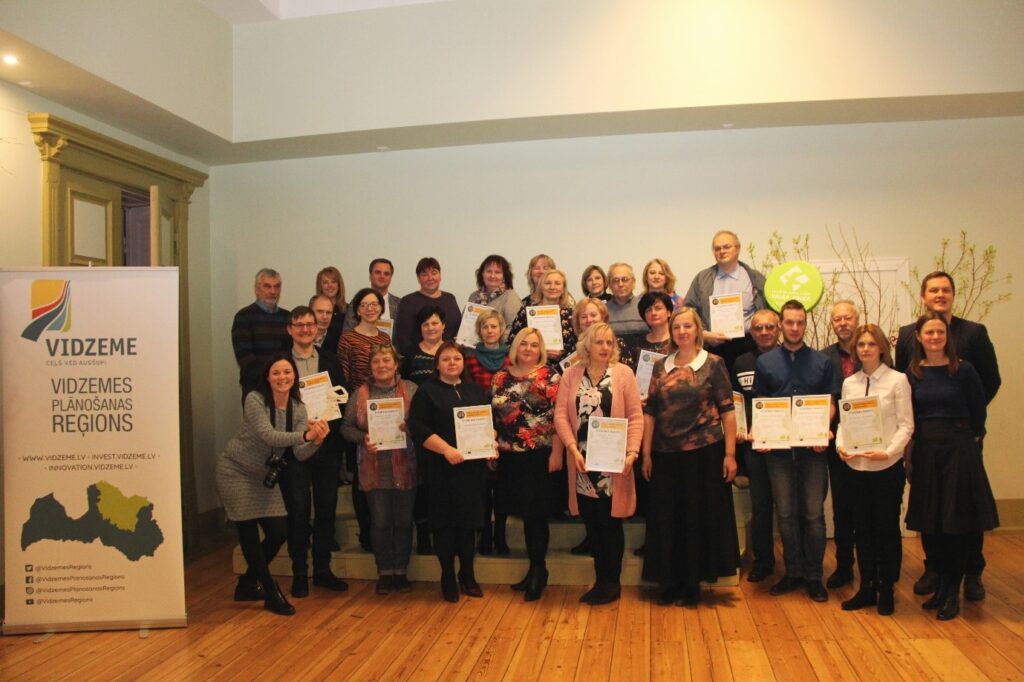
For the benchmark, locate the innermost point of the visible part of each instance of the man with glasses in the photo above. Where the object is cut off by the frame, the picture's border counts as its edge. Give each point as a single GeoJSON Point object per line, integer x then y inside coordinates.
{"type": "Point", "coordinates": [319, 473]}
{"type": "Point", "coordinates": [764, 328]}
{"type": "Point", "coordinates": [258, 330]}
{"type": "Point", "coordinates": [381, 271]}
{"type": "Point", "coordinates": [729, 275]}
{"type": "Point", "coordinates": [623, 311]}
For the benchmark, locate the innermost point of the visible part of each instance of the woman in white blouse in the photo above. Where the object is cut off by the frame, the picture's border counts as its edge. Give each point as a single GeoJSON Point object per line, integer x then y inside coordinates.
{"type": "Point", "coordinates": [879, 474]}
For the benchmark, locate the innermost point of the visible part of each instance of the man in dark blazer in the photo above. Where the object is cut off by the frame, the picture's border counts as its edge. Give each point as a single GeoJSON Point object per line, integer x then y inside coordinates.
{"type": "Point", "coordinates": [971, 342]}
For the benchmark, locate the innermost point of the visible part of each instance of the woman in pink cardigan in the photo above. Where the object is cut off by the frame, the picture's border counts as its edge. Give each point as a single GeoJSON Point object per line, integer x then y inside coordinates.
{"type": "Point", "coordinates": [600, 386]}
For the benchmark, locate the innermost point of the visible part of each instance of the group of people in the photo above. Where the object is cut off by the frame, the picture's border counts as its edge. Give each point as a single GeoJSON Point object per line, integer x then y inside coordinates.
{"type": "Point", "coordinates": [683, 446]}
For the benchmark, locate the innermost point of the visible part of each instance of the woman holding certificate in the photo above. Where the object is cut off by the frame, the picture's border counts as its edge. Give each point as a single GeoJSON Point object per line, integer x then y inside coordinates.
{"type": "Point", "coordinates": [375, 422]}
{"type": "Point", "coordinates": [689, 456]}
{"type": "Point", "coordinates": [273, 426]}
{"type": "Point", "coordinates": [524, 404]}
{"type": "Point", "coordinates": [457, 444]}
{"type": "Point", "coordinates": [876, 423]}
{"type": "Point", "coordinates": [549, 311]}
{"type": "Point", "coordinates": [600, 391]}
{"type": "Point", "coordinates": [494, 288]}
{"type": "Point", "coordinates": [950, 496]}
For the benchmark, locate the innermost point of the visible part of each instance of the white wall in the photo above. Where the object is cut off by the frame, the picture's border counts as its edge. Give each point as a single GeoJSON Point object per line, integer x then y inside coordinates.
{"type": "Point", "coordinates": [900, 187]}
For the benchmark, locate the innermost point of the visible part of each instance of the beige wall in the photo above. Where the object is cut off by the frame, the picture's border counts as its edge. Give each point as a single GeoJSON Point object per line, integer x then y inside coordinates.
{"type": "Point", "coordinates": [900, 187]}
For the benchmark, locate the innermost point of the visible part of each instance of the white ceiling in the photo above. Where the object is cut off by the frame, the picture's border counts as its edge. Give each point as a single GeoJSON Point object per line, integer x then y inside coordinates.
{"type": "Point", "coordinates": [254, 11]}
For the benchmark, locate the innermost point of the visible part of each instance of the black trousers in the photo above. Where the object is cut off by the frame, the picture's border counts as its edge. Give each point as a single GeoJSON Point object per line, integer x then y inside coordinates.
{"type": "Point", "coordinates": [315, 482]}
{"type": "Point", "coordinates": [259, 554]}
{"type": "Point", "coordinates": [452, 542]}
{"type": "Point", "coordinates": [607, 540]}
{"type": "Point", "coordinates": [876, 498]}
{"type": "Point", "coordinates": [843, 501]}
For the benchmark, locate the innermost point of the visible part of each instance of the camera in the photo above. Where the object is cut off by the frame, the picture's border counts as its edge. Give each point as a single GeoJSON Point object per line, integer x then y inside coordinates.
{"type": "Point", "coordinates": [275, 465]}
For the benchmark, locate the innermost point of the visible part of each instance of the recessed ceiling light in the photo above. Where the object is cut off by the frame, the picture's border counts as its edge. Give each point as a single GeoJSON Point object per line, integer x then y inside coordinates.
{"type": "Point", "coordinates": [25, 84]}
{"type": "Point", "coordinates": [10, 59]}
{"type": "Point", "coordinates": [728, 125]}
{"type": "Point", "coordinates": [383, 148]}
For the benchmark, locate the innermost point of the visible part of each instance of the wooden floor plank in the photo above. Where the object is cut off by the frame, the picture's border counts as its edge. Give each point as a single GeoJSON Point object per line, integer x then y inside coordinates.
{"type": "Point", "coordinates": [989, 659]}
{"type": "Point", "coordinates": [947, 661]}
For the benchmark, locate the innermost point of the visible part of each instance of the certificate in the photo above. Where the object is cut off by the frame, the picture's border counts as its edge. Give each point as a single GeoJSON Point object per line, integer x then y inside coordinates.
{"type": "Point", "coordinates": [386, 326]}
{"type": "Point", "coordinates": [770, 423]}
{"type": "Point", "coordinates": [474, 432]}
{"type": "Point", "coordinates": [569, 361]}
{"type": "Point", "coordinates": [741, 413]}
{"type": "Point", "coordinates": [727, 315]}
{"type": "Point", "coordinates": [385, 418]}
{"type": "Point", "coordinates": [319, 397]}
{"type": "Point", "coordinates": [606, 444]}
{"type": "Point", "coordinates": [546, 319]}
{"type": "Point", "coordinates": [861, 420]}
{"type": "Point", "coordinates": [810, 420]}
{"type": "Point", "coordinates": [645, 368]}
{"type": "Point", "coordinates": [466, 335]}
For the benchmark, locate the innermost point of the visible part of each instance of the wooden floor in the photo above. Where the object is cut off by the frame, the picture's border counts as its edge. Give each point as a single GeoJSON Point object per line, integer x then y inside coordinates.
{"type": "Point", "coordinates": [739, 633]}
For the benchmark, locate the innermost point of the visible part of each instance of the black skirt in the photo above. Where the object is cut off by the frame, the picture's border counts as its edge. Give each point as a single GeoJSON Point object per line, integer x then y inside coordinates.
{"type": "Point", "coordinates": [524, 486]}
{"type": "Point", "coordinates": [456, 497]}
{"type": "Point", "coordinates": [691, 524]}
{"type": "Point", "coordinates": [949, 489]}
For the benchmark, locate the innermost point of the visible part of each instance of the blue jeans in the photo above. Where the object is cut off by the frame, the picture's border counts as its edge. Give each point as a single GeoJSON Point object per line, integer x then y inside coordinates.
{"type": "Point", "coordinates": [391, 519]}
{"type": "Point", "coordinates": [799, 483]}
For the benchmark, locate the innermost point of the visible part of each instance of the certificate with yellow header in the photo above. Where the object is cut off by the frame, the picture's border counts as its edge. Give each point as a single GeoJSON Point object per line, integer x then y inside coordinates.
{"type": "Point", "coordinates": [546, 319]}
{"type": "Point", "coordinates": [645, 370]}
{"type": "Point", "coordinates": [474, 432]}
{"type": "Point", "coordinates": [384, 418]}
{"type": "Point", "coordinates": [810, 420]}
{"type": "Point", "coordinates": [386, 326]}
{"type": "Point", "coordinates": [569, 361]}
{"type": "Point", "coordinates": [466, 335]}
{"type": "Point", "coordinates": [727, 315]}
{"type": "Point", "coordinates": [861, 421]}
{"type": "Point", "coordinates": [770, 423]}
{"type": "Point", "coordinates": [318, 396]}
{"type": "Point", "coordinates": [606, 444]}
{"type": "Point", "coordinates": [741, 413]}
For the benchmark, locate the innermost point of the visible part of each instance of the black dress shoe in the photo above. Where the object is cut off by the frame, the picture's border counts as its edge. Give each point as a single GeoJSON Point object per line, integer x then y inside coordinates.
{"type": "Point", "coordinates": [300, 586]}
{"type": "Point", "coordinates": [588, 596]}
{"type": "Point", "coordinates": [535, 588]}
{"type": "Point", "coordinates": [886, 600]}
{"type": "Point", "coordinates": [275, 602]}
{"type": "Point", "coordinates": [449, 589]}
{"type": "Point", "coordinates": [939, 597]}
{"type": "Point", "coordinates": [521, 585]}
{"type": "Point", "coordinates": [865, 596]}
{"type": "Point", "coordinates": [248, 589]}
{"type": "Point", "coordinates": [470, 587]}
{"type": "Point", "coordinates": [785, 585]}
{"type": "Point", "coordinates": [605, 594]}
{"type": "Point", "coordinates": [385, 585]}
{"type": "Point", "coordinates": [759, 573]}
{"type": "Point", "coordinates": [330, 581]}
{"type": "Point", "coordinates": [951, 607]}
{"type": "Point", "coordinates": [401, 583]}
{"type": "Point", "coordinates": [927, 583]}
{"type": "Point", "coordinates": [842, 576]}
{"type": "Point", "coordinates": [668, 596]}
{"type": "Point", "coordinates": [690, 596]}
{"type": "Point", "coordinates": [582, 548]}
{"type": "Point", "coordinates": [816, 591]}
{"type": "Point", "coordinates": [973, 589]}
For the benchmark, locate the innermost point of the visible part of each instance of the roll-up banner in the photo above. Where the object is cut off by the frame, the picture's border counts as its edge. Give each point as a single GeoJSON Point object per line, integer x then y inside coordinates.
{"type": "Point", "coordinates": [91, 460]}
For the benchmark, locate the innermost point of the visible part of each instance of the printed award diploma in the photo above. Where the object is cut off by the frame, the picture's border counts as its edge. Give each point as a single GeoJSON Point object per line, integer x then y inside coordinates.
{"type": "Point", "coordinates": [606, 444]}
{"type": "Point", "coordinates": [318, 395]}
{"type": "Point", "coordinates": [385, 417]}
{"type": "Point", "coordinates": [741, 413]}
{"type": "Point", "coordinates": [770, 423]}
{"type": "Point", "coordinates": [569, 361]}
{"type": "Point", "coordinates": [810, 420]}
{"type": "Point", "coordinates": [727, 315]}
{"type": "Point", "coordinates": [466, 335]}
{"type": "Point", "coordinates": [474, 432]}
{"type": "Point", "coordinates": [386, 326]}
{"type": "Point", "coordinates": [546, 319]}
{"type": "Point", "coordinates": [861, 419]}
{"type": "Point", "coordinates": [645, 368]}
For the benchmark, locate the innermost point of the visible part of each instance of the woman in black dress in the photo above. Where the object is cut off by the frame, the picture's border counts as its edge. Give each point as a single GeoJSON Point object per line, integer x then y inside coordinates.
{"type": "Point", "coordinates": [523, 401]}
{"type": "Point", "coordinates": [456, 503]}
{"type": "Point", "coordinates": [950, 496]}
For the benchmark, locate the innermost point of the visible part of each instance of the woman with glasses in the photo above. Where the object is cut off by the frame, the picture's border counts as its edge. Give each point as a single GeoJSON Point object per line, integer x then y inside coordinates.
{"type": "Point", "coordinates": [355, 344]}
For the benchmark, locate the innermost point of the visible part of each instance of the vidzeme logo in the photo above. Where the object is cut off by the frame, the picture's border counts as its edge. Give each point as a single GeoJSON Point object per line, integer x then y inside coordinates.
{"type": "Point", "coordinates": [51, 307]}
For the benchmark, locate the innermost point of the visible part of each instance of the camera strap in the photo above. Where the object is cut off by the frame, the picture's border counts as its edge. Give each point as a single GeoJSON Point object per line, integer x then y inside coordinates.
{"type": "Point", "coordinates": [287, 454]}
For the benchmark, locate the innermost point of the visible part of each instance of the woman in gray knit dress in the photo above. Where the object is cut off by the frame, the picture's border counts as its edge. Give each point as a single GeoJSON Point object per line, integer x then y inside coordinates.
{"type": "Point", "coordinates": [274, 428]}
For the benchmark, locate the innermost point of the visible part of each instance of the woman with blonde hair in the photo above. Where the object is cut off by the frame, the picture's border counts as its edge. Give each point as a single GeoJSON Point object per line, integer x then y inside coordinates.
{"type": "Point", "coordinates": [523, 403]}
{"type": "Point", "coordinates": [331, 284]}
{"type": "Point", "coordinates": [658, 277]}
{"type": "Point", "coordinates": [550, 290]}
{"type": "Point", "coordinates": [600, 386]}
{"type": "Point", "coordinates": [539, 264]}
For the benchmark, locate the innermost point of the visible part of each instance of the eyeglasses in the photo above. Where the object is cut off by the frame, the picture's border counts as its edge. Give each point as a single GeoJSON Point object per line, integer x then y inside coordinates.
{"type": "Point", "coordinates": [304, 325]}
{"type": "Point", "coordinates": [621, 280]}
{"type": "Point", "coordinates": [368, 306]}
{"type": "Point", "coordinates": [764, 327]}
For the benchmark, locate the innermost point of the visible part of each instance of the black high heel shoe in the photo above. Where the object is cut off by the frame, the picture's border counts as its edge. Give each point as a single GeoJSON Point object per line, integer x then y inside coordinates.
{"type": "Point", "coordinates": [521, 585]}
{"type": "Point", "coordinates": [535, 587]}
{"type": "Point", "coordinates": [449, 588]}
{"type": "Point", "coordinates": [469, 586]}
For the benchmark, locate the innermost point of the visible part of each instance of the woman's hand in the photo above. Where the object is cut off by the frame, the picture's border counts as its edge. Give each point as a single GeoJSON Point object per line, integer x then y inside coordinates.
{"type": "Point", "coordinates": [729, 468]}
{"type": "Point", "coordinates": [492, 464]}
{"type": "Point", "coordinates": [371, 447]}
{"type": "Point", "coordinates": [554, 462]}
{"type": "Point", "coordinates": [630, 459]}
{"type": "Point", "coordinates": [317, 431]}
{"type": "Point", "coordinates": [645, 467]}
{"type": "Point", "coordinates": [577, 458]}
{"type": "Point", "coordinates": [453, 456]}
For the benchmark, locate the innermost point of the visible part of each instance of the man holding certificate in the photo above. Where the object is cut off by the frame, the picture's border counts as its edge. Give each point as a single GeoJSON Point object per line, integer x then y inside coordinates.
{"type": "Point", "coordinates": [876, 421]}
{"type": "Point", "coordinates": [799, 475]}
{"type": "Point", "coordinates": [450, 419]}
{"type": "Point", "coordinates": [318, 474]}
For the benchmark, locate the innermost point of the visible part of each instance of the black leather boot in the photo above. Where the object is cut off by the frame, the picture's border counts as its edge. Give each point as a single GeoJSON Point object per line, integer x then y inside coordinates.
{"type": "Point", "coordinates": [865, 596]}
{"type": "Point", "coordinates": [950, 607]}
{"type": "Point", "coordinates": [535, 587]}
{"type": "Point", "coordinates": [522, 584]}
{"type": "Point", "coordinates": [939, 598]}
{"type": "Point", "coordinates": [275, 602]}
{"type": "Point", "coordinates": [886, 599]}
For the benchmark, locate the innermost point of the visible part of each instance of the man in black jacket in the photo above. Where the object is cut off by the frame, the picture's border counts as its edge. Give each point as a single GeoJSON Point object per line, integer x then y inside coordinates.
{"type": "Point", "coordinates": [970, 341]}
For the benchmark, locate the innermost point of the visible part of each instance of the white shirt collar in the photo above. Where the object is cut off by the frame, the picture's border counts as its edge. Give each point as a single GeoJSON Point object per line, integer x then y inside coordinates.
{"type": "Point", "coordinates": [695, 364]}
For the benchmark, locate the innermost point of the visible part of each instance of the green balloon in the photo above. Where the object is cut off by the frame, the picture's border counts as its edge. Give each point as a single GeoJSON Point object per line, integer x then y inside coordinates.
{"type": "Point", "coordinates": [795, 279]}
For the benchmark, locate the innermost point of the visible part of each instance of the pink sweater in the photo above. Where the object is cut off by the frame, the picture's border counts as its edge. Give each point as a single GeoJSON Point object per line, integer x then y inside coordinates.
{"type": "Point", "coordinates": [625, 403]}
